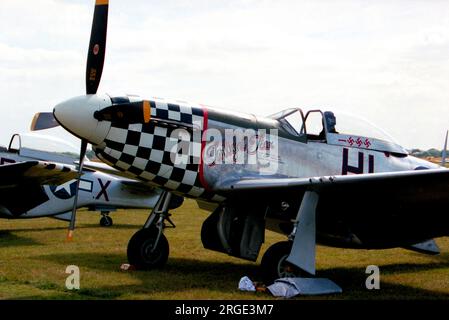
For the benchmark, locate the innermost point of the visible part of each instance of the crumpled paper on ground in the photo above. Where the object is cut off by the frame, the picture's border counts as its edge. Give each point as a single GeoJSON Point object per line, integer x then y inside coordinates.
{"type": "Point", "coordinates": [245, 284]}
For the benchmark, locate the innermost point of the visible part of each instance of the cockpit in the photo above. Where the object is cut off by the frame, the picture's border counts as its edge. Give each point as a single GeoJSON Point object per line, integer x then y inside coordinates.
{"type": "Point", "coordinates": [339, 128]}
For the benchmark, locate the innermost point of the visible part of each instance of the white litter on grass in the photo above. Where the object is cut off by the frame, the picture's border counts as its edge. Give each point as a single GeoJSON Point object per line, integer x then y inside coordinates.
{"type": "Point", "coordinates": [290, 287]}
{"type": "Point", "coordinates": [245, 284]}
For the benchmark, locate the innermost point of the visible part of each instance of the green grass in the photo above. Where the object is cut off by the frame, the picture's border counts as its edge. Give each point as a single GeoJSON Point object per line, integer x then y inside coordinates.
{"type": "Point", "coordinates": [34, 256]}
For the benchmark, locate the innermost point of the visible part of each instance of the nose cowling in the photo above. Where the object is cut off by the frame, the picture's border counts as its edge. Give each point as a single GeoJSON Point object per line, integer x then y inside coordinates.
{"type": "Point", "coordinates": [77, 116]}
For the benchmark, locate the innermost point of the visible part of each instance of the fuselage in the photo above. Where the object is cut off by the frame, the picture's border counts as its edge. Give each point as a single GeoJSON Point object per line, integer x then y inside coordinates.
{"type": "Point", "coordinates": [192, 149]}
{"type": "Point", "coordinates": [147, 151]}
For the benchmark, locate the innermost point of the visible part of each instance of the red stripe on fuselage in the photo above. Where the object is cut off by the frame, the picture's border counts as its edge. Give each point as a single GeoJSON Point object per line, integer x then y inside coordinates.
{"type": "Point", "coordinates": [203, 147]}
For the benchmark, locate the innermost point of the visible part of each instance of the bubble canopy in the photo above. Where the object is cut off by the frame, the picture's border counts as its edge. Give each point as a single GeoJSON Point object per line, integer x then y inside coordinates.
{"type": "Point", "coordinates": [337, 127]}
{"type": "Point", "coordinates": [351, 124]}
{"type": "Point", "coordinates": [345, 123]}
{"type": "Point", "coordinates": [26, 142]}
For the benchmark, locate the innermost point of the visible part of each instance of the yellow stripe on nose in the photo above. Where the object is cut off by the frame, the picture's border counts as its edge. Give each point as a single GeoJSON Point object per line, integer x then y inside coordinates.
{"type": "Point", "coordinates": [101, 2]}
{"type": "Point", "coordinates": [146, 111]}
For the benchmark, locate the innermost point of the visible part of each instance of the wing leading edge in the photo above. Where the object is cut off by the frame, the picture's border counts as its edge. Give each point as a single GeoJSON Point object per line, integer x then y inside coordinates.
{"type": "Point", "coordinates": [418, 178]}
{"type": "Point", "coordinates": [39, 172]}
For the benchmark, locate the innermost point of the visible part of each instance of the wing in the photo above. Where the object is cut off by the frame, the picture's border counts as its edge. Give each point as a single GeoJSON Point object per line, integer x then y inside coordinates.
{"type": "Point", "coordinates": [39, 172]}
{"type": "Point", "coordinates": [407, 206]}
{"type": "Point", "coordinates": [433, 180]}
{"type": "Point", "coordinates": [103, 167]}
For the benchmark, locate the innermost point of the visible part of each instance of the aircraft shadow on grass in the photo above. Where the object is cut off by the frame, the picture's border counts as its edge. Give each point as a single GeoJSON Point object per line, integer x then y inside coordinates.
{"type": "Point", "coordinates": [115, 226]}
{"type": "Point", "coordinates": [34, 229]}
{"type": "Point", "coordinates": [9, 239]}
{"type": "Point", "coordinates": [13, 238]}
{"type": "Point", "coordinates": [182, 274]}
{"type": "Point", "coordinates": [81, 226]}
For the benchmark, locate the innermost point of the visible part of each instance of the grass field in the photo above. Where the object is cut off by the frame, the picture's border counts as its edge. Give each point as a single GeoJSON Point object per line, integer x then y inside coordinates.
{"type": "Point", "coordinates": [34, 256]}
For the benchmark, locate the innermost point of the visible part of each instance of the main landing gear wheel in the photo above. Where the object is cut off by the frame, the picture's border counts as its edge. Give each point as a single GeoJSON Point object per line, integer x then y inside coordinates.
{"type": "Point", "coordinates": [142, 253]}
{"type": "Point", "coordinates": [106, 221]}
{"type": "Point", "coordinates": [274, 264]}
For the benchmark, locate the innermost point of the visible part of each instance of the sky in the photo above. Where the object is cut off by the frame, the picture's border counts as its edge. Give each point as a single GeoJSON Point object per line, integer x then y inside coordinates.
{"type": "Point", "coordinates": [386, 61]}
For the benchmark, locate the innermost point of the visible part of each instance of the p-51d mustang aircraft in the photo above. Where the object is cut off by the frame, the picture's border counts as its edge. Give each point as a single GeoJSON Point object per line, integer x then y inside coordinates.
{"type": "Point", "coordinates": [302, 175]}
{"type": "Point", "coordinates": [39, 183]}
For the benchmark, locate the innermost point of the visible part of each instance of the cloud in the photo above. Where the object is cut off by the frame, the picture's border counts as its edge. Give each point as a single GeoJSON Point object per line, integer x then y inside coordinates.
{"type": "Point", "coordinates": [387, 61]}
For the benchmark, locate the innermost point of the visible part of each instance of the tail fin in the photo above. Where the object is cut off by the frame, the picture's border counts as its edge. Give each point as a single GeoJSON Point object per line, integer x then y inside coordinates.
{"type": "Point", "coordinates": [443, 153]}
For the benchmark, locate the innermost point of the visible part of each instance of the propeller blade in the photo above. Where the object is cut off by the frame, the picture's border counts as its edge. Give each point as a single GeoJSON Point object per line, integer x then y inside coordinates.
{"type": "Point", "coordinates": [443, 154]}
{"type": "Point", "coordinates": [132, 112]}
{"type": "Point", "coordinates": [97, 46]}
{"type": "Point", "coordinates": [75, 200]}
{"type": "Point", "coordinates": [43, 120]}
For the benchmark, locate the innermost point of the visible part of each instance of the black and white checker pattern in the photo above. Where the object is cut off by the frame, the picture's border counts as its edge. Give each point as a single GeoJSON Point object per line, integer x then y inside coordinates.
{"type": "Point", "coordinates": [148, 151]}
{"type": "Point", "coordinates": [176, 112]}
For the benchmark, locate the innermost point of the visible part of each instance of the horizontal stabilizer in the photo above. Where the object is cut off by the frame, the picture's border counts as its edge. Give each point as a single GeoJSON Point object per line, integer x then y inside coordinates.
{"type": "Point", "coordinates": [103, 167]}
{"type": "Point", "coordinates": [143, 189]}
{"type": "Point", "coordinates": [426, 247]}
{"type": "Point", "coordinates": [66, 216]}
{"type": "Point", "coordinates": [138, 187]}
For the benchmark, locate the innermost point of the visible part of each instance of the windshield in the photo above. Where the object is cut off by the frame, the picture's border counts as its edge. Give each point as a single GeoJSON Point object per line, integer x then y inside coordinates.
{"type": "Point", "coordinates": [291, 119]}
{"type": "Point", "coordinates": [282, 113]}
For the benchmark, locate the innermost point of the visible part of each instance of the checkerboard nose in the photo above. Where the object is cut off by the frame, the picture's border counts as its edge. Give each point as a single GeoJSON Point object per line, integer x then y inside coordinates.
{"type": "Point", "coordinates": [76, 115]}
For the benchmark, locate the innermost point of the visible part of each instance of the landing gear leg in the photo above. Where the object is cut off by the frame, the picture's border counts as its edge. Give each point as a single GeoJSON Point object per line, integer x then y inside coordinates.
{"type": "Point", "coordinates": [148, 248]}
{"type": "Point", "coordinates": [291, 258]}
{"type": "Point", "coordinates": [106, 220]}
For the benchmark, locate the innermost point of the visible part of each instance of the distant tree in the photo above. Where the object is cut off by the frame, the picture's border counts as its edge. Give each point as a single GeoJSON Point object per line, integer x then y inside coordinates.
{"type": "Point", "coordinates": [434, 152]}
{"type": "Point", "coordinates": [426, 153]}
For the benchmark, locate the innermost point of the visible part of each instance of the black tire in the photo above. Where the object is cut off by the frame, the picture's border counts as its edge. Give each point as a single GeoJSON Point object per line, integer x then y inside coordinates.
{"type": "Point", "coordinates": [274, 265]}
{"type": "Point", "coordinates": [139, 247]}
{"type": "Point", "coordinates": [106, 221]}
